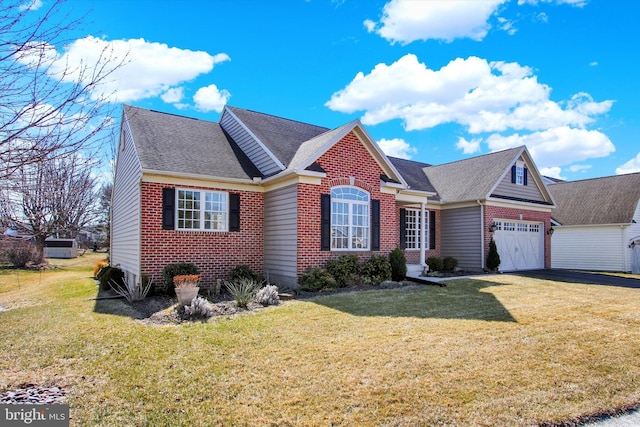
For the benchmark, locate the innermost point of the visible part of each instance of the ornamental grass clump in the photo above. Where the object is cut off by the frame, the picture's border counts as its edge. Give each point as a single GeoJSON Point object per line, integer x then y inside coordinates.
{"type": "Point", "coordinates": [131, 291]}
{"type": "Point", "coordinates": [198, 309]}
{"type": "Point", "coordinates": [243, 291]}
{"type": "Point", "coordinates": [268, 295]}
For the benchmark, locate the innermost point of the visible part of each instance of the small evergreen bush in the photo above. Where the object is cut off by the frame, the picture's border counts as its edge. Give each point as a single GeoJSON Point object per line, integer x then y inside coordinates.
{"type": "Point", "coordinates": [493, 258]}
{"type": "Point", "coordinates": [376, 269]}
{"type": "Point", "coordinates": [176, 269]}
{"type": "Point", "coordinates": [345, 269]}
{"type": "Point", "coordinates": [240, 272]}
{"type": "Point", "coordinates": [268, 295]}
{"type": "Point", "coordinates": [243, 291]}
{"type": "Point", "coordinates": [109, 277]}
{"type": "Point", "coordinates": [315, 279]}
{"type": "Point", "coordinates": [449, 263]}
{"type": "Point", "coordinates": [434, 263]}
{"type": "Point", "coordinates": [398, 263]}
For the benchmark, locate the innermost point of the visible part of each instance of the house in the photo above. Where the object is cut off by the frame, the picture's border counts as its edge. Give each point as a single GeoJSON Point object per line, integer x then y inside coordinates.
{"type": "Point", "coordinates": [597, 224]}
{"type": "Point", "coordinates": [282, 196]}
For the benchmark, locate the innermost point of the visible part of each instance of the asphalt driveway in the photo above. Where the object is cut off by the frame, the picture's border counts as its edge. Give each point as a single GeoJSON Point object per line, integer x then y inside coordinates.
{"type": "Point", "coordinates": [580, 277]}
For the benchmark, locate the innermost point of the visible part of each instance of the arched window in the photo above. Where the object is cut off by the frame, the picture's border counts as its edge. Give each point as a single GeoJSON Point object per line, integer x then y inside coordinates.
{"type": "Point", "coordinates": [350, 218]}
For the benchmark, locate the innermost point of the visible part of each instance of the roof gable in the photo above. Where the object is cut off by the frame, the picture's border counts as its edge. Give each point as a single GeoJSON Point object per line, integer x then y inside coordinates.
{"type": "Point", "coordinates": [606, 200]}
{"type": "Point", "coordinates": [170, 143]}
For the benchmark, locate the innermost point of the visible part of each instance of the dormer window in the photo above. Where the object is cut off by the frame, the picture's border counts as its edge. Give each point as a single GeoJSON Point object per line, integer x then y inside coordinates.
{"type": "Point", "coordinates": [519, 173]}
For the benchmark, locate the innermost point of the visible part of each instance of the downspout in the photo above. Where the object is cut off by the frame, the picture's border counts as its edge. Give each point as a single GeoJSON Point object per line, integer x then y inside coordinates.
{"type": "Point", "coordinates": [481, 233]}
{"type": "Point", "coordinates": [423, 234]}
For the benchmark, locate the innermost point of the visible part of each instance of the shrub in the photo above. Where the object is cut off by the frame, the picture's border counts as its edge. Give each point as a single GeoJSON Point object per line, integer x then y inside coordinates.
{"type": "Point", "coordinates": [100, 264]}
{"type": "Point", "coordinates": [376, 269]}
{"type": "Point", "coordinates": [434, 263]}
{"type": "Point", "coordinates": [243, 291]}
{"type": "Point", "coordinates": [398, 263]}
{"type": "Point", "coordinates": [345, 269]}
{"type": "Point", "coordinates": [109, 275]}
{"type": "Point", "coordinates": [449, 263]}
{"type": "Point", "coordinates": [177, 269]}
{"type": "Point", "coordinates": [20, 253]}
{"type": "Point", "coordinates": [315, 279]}
{"type": "Point", "coordinates": [240, 272]}
{"type": "Point", "coordinates": [268, 295]}
{"type": "Point", "coordinates": [198, 309]}
{"type": "Point", "coordinates": [493, 258]}
{"type": "Point", "coordinates": [131, 291]}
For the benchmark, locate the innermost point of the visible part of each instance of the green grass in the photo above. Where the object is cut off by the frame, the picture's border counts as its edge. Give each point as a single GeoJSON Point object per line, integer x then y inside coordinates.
{"type": "Point", "coordinates": [510, 351]}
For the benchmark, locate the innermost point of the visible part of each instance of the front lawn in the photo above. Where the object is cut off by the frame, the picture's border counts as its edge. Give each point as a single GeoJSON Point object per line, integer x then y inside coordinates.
{"type": "Point", "coordinates": [505, 350]}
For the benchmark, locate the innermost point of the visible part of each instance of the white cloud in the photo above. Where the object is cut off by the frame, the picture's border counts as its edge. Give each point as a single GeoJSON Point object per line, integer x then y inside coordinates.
{"type": "Point", "coordinates": [557, 146]}
{"type": "Point", "coordinates": [576, 3]}
{"type": "Point", "coordinates": [631, 166]}
{"type": "Point", "coordinates": [553, 172]}
{"type": "Point", "coordinates": [173, 95]}
{"type": "Point", "coordinates": [397, 147]}
{"type": "Point", "coordinates": [210, 98]}
{"type": "Point", "coordinates": [593, 64]}
{"type": "Point", "coordinates": [408, 21]}
{"type": "Point", "coordinates": [579, 168]}
{"type": "Point", "coordinates": [469, 147]}
{"type": "Point", "coordinates": [150, 68]}
{"type": "Point", "coordinates": [31, 5]}
{"type": "Point", "coordinates": [507, 25]}
{"type": "Point", "coordinates": [480, 95]}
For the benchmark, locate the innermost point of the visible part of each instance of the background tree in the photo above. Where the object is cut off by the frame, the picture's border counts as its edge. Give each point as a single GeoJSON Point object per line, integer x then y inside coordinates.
{"type": "Point", "coordinates": [104, 216]}
{"type": "Point", "coordinates": [52, 198]}
{"type": "Point", "coordinates": [48, 107]}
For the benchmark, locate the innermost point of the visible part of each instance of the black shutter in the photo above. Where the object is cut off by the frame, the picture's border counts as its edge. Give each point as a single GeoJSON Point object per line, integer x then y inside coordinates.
{"type": "Point", "coordinates": [525, 176]}
{"type": "Point", "coordinates": [168, 208]}
{"type": "Point", "coordinates": [375, 225]}
{"type": "Point", "coordinates": [403, 228]}
{"type": "Point", "coordinates": [234, 212]}
{"type": "Point", "coordinates": [325, 222]}
{"type": "Point", "coordinates": [432, 229]}
{"type": "Point", "coordinates": [513, 174]}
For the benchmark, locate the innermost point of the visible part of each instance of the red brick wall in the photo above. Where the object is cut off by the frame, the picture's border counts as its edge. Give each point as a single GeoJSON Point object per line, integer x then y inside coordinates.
{"type": "Point", "coordinates": [413, 256]}
{"type": "Point", "coordinates": [491, 212]}
{"type": "Point", "coordinates": [347, 158]}
{"type": "Point", "coordinates": [214, 253]}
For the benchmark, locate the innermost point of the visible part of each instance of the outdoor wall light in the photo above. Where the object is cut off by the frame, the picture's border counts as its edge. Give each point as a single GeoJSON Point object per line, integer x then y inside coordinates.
{"type": "Point", "coordinates": [550, 231]}
{"type": "Point", "coordinates": [632, 245]}
{"type": "Point", "coordinates": [493, 227]}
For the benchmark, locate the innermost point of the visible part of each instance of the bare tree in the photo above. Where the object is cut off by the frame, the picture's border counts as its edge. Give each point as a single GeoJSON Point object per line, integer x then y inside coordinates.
{"type": "Point", "coordinates": [53, 197]}
{"type": "Point", "coordinates": [48, 107]}
{"type": "Point", "coordinates": [104, 214]}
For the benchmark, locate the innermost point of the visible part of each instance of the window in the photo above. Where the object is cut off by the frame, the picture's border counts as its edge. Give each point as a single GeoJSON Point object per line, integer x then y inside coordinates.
{"type": "Point", "coordinates": [520, 174]}
{"type": "Point", "coordinates": [349, 219]}
{"type": "Point", "coordinates": [412, 230]}
{"type": "Point", "coordinates": [202, 210]}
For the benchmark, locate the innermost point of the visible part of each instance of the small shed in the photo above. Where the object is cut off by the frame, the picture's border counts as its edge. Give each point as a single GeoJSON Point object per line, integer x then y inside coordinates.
{"type": "Point", "coordinates": [597, 224]}
{"type": "Point", "coordinates": [60, 248]}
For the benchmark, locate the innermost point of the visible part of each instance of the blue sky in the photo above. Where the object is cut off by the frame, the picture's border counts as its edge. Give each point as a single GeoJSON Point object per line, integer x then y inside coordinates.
{"type": "Point", "coordinates": [432, 81]}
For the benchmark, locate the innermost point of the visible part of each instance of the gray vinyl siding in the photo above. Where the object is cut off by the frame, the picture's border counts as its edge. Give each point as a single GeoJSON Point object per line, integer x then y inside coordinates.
{"type": "Point", "coordinates": [527, 192]}
{"type": "Point", "coordinates": [249, 145]}
{"type": "Point", "coordinates": [460, 236]}
{"type": "Point", "coordinates": [125, 216]}
{"type": "Point", "coordinates": [281, 235]}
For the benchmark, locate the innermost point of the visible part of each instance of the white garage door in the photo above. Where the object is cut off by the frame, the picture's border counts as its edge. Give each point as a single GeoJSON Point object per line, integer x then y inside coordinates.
{"type": "Point", "coordinates": [520, 244]}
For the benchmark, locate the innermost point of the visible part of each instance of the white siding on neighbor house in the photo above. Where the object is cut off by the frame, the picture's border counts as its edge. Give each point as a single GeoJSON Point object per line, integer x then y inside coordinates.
{"type": "Point", "coordinates": [632, 232]}
{"type": "Point", "coordinates": [600, 248]}
{"type": "Point", "coordinates": [461, 236]}
{"type": "Point", "coordinates": [125, 205]}
{"type": "Point", "coordinates": [247, 142]}
{"type": "Point", "coordinates": [280, 235]}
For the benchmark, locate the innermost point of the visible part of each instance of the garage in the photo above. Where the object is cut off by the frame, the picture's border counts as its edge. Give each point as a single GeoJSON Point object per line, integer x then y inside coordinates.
{"type": "Point", "coordinates": [520, 244]}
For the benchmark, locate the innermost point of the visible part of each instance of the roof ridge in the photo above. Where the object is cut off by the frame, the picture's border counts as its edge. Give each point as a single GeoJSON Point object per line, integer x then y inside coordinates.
{"type": "Point", "coordinates": [167, 113]}
{"type": "Point", "coordinates": [277, 117]}
{"type": "Point", "coordinates": [409, 160]}
{"type": "Point", "coordinates": [597, 177]}
{"type": "Point", "coordinates": [480, 156]}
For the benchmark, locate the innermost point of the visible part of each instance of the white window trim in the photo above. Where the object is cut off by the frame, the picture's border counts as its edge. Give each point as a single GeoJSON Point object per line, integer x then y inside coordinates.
{"type": "Point", "coordinates": [350, 203]}
{"type": "Point", "coordinates": [520, 173]}
{"type": "Point", "coordinates": [203, 196]}
{"type": "Point", "coordinates": [418, 223]}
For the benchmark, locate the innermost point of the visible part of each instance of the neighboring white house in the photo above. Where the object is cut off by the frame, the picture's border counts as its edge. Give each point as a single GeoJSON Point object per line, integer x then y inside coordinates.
{"type": "Point", "coordinates": [597, 224]}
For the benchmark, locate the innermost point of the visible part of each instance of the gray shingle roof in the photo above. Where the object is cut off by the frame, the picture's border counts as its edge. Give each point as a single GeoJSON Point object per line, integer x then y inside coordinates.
{"type": "Point", "coordinates": [171, 143]}
{"type": "Point", "coordinates": [470, 179]}
{"type": "Point", "coordinates": [608, 200]}
{"type": "Point", "coordinates": [282, 137]}
{"type": "Point", "coordinates": [413, 174]}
